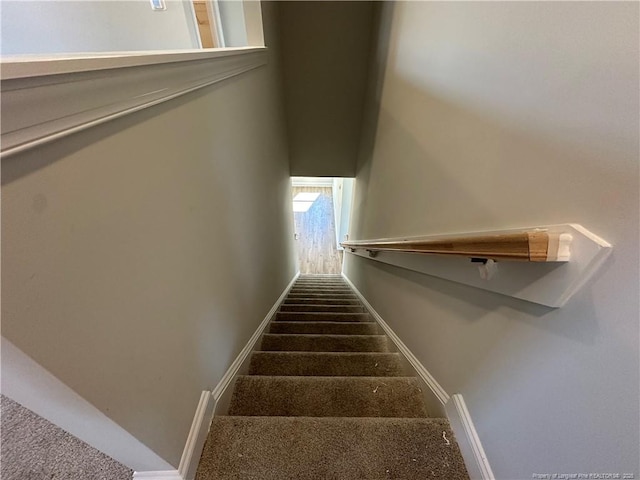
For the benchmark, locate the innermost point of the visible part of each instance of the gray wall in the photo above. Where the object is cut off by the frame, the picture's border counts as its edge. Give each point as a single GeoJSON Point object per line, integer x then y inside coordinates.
{"type": "Point", "coordinates": [325, 55]}
{"type": "Point", "coordinates": [94, 26]}
{"type": "Point", "coordinates": [497, 115]}
{"type": "Point", "coordinates": [140, 256]}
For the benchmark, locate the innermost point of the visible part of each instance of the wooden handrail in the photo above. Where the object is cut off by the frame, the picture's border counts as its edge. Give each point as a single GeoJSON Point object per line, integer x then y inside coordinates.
{"type": "Point", "coordinates": [532, 246]}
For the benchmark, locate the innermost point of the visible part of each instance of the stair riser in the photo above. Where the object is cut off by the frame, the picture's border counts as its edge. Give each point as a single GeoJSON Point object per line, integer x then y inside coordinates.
{"type": "Point", "coordinates": [327, 397]}
{"type": "Point", "coordinates": [324, 301]}
{"type": "Point", "coordinates": [335, 276]}
{"type": "Point", "coordinates": [328, 296]}
{"type": "Point", "coordinates": [322, 308]}
{"type": "Point", "coordinates": [324, 343]}
{"type": "Point", "coordinates": [322, 317]}
{"type": "Point", "coordinates": [327, 328]}
{"type": "Point", "coordinates": [326, 364]}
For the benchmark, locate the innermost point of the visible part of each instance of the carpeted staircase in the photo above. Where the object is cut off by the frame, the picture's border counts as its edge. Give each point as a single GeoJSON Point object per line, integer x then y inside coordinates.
{"type": "Point", "coordinates": [325, 398]}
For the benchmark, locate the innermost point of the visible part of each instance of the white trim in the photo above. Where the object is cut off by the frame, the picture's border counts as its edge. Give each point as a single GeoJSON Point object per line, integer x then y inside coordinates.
{"type": "Point", "coordinates": [420, 370]}
{"type": "Point", "coordinates": [468, 440]}
{"type": "Point", "coordinates": [253, 23]}
{"type": "Point", "coordinates": [324, 182]}
{"type": "Point", "coordinates": [454, 406]}
{"type": "Point", "coordinates": [158, 475]}
{"type": "Point", "coordinates": [229, 376]}
{"type": "Point", "coordinates": [27, 66]}
{"type": "Point", "coordinates": [197, 436]}
{"type": "Point", "coordinates": [47, 99]}
{"type": "Point", "coordinates": [216, 26]}
{"type": "Point", "coordinates": [194, 30]}
{"type": "Point", "coordinates": [208, 404]}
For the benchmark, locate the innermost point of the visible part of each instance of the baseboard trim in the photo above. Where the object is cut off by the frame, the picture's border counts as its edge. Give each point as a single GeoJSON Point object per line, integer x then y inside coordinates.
{"type": "Point", "coordinates": [422, 372]}
{"type": "Point", "coordinates": [232, 372]}
{"type": "Point", "coordinates": [209, 402]}
{"type": "Point", "coordinates": [197, 436]}
{"type": "Point", "coordinates": [453, 406]}
{"type": "Point", "coordinates": [158, 475]}
{"type": "Point", "coordinates": [468, 440]}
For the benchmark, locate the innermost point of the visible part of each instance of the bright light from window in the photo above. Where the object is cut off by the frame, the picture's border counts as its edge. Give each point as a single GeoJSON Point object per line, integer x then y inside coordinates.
{"type": "Point", "coordinates": [303, 201]}
{"type": "Point", "coordinates": [301, 206]}
{"type": "Point", "coordinates": [306, 197]}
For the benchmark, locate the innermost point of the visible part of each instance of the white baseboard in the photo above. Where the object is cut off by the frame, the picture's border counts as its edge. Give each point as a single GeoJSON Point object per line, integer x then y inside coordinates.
{"type": "Point", "coordinates": [439, 401]}
{"type": "Point", "coordinates": [210, 403]}
{"type": "Point", "coordinates": [197, 436]}
{"type": "Point", "coordinates": [222, 393]}
{"type": "Point", "coordinates": [158, 475]}
{"type": "Point", "coordinates": [474, 457]}
{"type": "Point", "coordinates": [438, 398]}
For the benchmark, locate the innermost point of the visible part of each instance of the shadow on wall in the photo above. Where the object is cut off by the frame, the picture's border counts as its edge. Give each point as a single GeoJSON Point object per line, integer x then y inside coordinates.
{"type": "Point", "coordinates": [479, 302]}
{"type": "Point", "coordinates": [381, 35]}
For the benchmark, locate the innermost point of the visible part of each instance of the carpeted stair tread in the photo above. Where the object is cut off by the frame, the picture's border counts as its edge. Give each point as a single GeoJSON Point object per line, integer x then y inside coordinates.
{"type": "Point", "coordinates": [313, 288]}
{"type": "Point", "coordinates": [322, 317]}
{"type": "Point", "coordinates": [309, 286]}
{"type": "Point", "coordinates": [347, 295]}
{"type": "Point", "coordinates": [287, 448]}
{"type": "Point", "coordinates": [297, 307]}
{"type": "Point", "coordinates": [327, 328]}
{"type": "Point", "coordinates": [324, 343]}
{"type": "Point", "coordinates": [319, 291]}
{"type": "Point", "coordinates": [321, 278]}
{"type": "Point", "coordinates": [327, 397]}
{"type": "Point", "coordinates": [339, 364]}
{"type": "Point", "coordinates": [324, 398]}
{"type": "Point", "coordinates": [323, 301]}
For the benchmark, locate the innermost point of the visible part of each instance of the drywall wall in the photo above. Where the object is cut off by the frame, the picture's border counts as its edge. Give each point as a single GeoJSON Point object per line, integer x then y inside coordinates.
{"type": "Point", "coordinates": [140, 256]}
{"type": "Point", "coordinates": [498, 115]}
{"type": "Point", "coordinates": [325, 55]}
{"type": "Point", "coordinates": [97, 26]}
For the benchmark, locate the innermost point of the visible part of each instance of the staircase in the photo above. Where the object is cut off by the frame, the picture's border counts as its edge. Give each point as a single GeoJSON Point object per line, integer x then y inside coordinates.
{"type": "Point", "coordinates": [325, 398]}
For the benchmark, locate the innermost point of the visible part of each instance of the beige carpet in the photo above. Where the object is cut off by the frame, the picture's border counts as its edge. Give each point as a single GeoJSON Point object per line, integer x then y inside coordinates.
{"type": "Point", "coordinates": [35, 449]}
{"type": "Point", "coordinates": [325, 398]}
